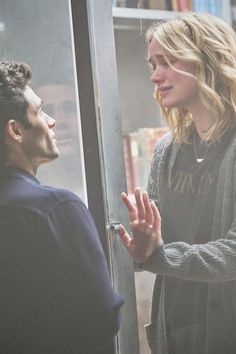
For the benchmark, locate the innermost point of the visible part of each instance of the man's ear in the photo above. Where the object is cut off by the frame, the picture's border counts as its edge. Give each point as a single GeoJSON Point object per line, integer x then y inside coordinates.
{"type": "Point", "coordinates": [14, 130]}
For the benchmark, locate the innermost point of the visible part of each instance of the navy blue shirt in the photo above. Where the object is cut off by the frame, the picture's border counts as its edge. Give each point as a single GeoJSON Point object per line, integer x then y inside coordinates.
{"type": "Point", "coordinates": [56, 295]}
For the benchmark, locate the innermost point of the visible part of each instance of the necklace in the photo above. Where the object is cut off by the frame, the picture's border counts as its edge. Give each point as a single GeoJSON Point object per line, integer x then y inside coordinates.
{"type": "Point", "coordinates": [200, 159]}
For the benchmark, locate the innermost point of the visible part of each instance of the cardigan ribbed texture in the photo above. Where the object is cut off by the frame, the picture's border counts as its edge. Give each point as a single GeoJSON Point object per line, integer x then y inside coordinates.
{"type": "Point", "coordinates": [213, 262]}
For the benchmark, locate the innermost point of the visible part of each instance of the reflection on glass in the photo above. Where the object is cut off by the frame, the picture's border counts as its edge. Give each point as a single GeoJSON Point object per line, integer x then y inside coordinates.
{"type": "Point", "coordinates": [34, 32]}
{"type": "Point", "coordinates": [59, 102]}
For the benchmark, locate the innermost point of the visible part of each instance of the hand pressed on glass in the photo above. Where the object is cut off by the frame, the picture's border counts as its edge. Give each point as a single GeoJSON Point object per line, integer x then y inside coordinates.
{"type": "Point", "coordinates": [145, 224]}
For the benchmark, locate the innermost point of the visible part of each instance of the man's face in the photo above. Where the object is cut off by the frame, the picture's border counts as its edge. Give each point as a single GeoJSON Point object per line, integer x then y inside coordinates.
{"type": "Point", "coordinates": [39, 145]}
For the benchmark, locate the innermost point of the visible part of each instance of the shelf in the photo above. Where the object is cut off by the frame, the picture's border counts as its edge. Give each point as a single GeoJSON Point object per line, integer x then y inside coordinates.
{"type": "Point", "coordinates": [133, 19]}
{"type": "Point", "coordinates": [128, 18]}
{"type": "Point", "coordinates": [142, 14]}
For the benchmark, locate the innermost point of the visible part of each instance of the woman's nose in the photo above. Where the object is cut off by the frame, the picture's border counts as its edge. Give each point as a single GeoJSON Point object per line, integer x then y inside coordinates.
{"type": "Point", "coordinates": [157, 75]}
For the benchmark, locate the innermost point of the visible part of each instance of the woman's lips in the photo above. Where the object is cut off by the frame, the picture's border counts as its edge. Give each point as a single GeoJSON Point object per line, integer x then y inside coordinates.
{"type": "Point", "coordinates": [164, 90]}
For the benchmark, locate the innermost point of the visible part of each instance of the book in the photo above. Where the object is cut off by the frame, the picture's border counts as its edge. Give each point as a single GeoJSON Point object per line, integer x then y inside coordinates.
{"type": "Point", "coordinates": [175, 5]}
{"type": "Point", "coordinates": [121, 3]}
{"type": "Point", "coordinates": [184, 5]}
{"type": "Point", "coordinates": [142, 4]}
{"type": "Point", "coordinates": [131, 156]}
{"type": "Point", "coordinates": [201, 6]}
{"type": "Point", "coordinates": [158, 5]}
{"type": "Point", "coordinates": [138, 153]}
{"type": "Point", "coordinates": [132, 3]}
{"type": "Point", "coordinates": [128, 164]}
{"type": "Point", "coordinates": [215, 7]}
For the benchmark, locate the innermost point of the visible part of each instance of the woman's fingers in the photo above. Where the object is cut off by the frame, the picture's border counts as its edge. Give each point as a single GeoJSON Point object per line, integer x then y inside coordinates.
{"type": "Point", "coordinates": [145, 225]}
{"type": "Point", "coordinates": [142, 211]}
{"type": "Point", "coordinates": [130, 206]}
{"type": "Point", "coordinates": [140, 204]}
{"type": "Point", "coordinates": [125, 237]}
{"type": "Point", "coordinates": [148, 209]}
{"type": "Point", "coordinates": [156, 217]}
{"type": "Point", "coordinates": [143, 214]}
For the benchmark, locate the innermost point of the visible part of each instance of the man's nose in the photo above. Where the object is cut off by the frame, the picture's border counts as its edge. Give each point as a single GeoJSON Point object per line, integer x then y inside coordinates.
{"type": "Point", "coordinates": [51, 122]}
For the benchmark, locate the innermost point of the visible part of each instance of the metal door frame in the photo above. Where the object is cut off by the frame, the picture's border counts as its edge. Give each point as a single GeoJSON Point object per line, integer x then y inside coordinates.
{"type": "Point", "coordinates": [103, 149]}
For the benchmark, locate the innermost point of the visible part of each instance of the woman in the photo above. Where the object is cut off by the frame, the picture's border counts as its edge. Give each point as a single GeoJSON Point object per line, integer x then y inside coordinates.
{"type": "Point", "coordinates": [190, 240]}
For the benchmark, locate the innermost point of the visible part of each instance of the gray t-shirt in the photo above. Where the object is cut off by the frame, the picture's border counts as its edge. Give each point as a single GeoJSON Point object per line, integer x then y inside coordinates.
{"type": "Point", "coordinates": [187, 215]}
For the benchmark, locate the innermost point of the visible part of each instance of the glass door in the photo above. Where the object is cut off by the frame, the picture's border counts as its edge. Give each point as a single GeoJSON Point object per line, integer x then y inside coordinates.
{"type": "Point", "coordinates": [103, 151]}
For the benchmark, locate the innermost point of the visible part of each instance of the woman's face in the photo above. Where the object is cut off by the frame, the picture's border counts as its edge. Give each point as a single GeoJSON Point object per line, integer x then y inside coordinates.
{"type": "Point", "coordinates": [175, 89]}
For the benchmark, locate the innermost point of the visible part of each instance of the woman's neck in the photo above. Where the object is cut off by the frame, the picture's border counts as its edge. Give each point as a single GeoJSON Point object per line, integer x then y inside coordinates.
{"type": "Point", "coordinates": [203, 121]}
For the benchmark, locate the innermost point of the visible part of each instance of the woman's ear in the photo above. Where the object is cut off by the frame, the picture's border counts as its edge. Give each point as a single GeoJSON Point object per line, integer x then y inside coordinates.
{"type": "Point", "coordinates": [14, 130]}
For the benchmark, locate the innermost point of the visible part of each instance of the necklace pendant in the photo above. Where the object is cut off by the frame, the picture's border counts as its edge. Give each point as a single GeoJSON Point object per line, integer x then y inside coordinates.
{"type": "Point", "coordinates": [199, 160]}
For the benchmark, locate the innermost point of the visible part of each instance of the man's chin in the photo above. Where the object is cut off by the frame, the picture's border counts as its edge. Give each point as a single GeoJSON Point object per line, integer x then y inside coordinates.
{"type": "Point", "coordinates": [56, 154]}
{"type": "Point", "coordinates": [53, 156]}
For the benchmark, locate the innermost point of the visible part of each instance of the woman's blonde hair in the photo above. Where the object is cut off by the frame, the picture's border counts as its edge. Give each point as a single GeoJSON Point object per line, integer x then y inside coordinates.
{"type": "Point", "coordinates": [209, 43]}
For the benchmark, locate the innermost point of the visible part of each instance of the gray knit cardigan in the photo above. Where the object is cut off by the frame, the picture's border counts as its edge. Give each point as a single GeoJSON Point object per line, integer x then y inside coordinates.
{"type": "Point", "coordinates": [213, 262]}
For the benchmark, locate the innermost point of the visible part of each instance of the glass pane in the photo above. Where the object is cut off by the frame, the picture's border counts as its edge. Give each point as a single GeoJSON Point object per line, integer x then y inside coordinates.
{"type": "Point", "coordinates": [141, 126]}
{"type": "Point", "coordinates": [39, 33]}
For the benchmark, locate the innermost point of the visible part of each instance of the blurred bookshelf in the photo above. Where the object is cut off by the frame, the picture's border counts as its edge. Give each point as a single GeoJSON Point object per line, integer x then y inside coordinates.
{"type": "Point", "coordinates": [221, 8]}
{"type": "Point", "coordinates": [233, 13]}
{"type": "Point", "coordinates": [138, 152]}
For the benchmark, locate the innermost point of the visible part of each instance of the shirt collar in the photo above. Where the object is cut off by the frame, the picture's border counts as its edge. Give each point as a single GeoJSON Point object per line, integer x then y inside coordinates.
{"type": "Point", "coordinates": [16, 172]}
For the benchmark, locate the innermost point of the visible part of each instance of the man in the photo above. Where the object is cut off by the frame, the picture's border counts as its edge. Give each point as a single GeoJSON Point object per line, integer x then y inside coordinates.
{"type": "Point", "coordinates": [56, 296]}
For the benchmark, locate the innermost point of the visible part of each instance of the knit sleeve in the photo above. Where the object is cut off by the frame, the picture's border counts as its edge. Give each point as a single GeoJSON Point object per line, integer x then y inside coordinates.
{"type": "Point", "coordinates": [214, 261]}
{"type": "Point", "coordinates": [159, 151]}
{"type": "Point", "coordinates": [211, 262]}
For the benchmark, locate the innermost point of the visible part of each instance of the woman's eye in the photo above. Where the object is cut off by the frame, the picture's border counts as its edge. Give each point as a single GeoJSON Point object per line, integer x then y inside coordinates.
{"type": "Point", "coordinates": [152, 67]}
{"type": "Point", "coordinates": [165, 63]}
{"type": "Point", "coordinates": [173, 61]}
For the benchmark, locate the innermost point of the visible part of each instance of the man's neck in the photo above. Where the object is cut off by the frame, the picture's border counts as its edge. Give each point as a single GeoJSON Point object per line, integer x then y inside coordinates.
{"type": "Point", "coordinates": [22, 166]}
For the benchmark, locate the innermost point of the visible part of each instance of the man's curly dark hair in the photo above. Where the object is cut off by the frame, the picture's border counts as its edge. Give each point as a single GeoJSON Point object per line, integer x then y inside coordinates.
{"type": "Point", "coordinates": [14, 77]}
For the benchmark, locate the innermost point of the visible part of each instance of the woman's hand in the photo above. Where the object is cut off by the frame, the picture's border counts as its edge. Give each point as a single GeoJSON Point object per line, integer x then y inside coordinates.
{"type": "Point", "coordinates": [145, 223]}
